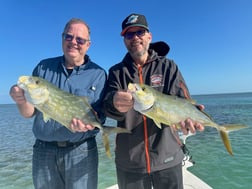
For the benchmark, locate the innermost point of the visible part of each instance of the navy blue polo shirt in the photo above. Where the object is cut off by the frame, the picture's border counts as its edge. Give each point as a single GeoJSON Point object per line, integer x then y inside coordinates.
{"type": "Point", "coordinates": [87, 80]}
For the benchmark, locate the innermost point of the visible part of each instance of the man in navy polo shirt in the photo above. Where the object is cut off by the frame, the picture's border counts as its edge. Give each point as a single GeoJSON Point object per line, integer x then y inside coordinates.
{"type": "Point", "coordinates": [62, 159]}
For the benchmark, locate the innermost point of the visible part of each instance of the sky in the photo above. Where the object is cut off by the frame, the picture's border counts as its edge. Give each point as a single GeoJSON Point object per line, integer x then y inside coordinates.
{"type": "Point", "coordinates": [210, 40]}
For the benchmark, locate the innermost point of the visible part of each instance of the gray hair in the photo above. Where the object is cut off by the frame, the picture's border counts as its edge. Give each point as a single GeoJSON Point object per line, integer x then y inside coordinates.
{"type": "Point", "coordinates": [76, 21]}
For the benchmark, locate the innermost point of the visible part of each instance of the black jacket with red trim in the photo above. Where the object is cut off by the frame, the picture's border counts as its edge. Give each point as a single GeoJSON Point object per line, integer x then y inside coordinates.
{"type": "Point", "coordinates": [163, 150]}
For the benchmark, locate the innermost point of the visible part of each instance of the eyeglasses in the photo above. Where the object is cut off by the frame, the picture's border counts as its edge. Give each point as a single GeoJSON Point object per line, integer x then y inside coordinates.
{"type": "Point", "coordinates": [130, 35]}
{"type": "Point", "coordinates": [79, 40]}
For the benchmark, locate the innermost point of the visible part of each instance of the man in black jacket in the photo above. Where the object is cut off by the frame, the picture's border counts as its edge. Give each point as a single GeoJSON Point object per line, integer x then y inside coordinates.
{"type": "Point", "coordinates": [149, 156]}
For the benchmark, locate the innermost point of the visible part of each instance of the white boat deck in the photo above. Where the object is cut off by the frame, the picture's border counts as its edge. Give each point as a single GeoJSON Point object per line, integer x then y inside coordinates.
{"type": "Point", "coordinates": [190, 180]}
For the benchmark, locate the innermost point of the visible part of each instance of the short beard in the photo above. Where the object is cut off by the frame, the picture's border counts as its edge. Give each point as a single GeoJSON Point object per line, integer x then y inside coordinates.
{"type": "Point", "coordinates": [137, 55]}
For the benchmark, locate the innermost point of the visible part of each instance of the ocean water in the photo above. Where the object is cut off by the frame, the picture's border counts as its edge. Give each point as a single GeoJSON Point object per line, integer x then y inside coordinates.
{"type": "Point", "coordinates": [213, 164]}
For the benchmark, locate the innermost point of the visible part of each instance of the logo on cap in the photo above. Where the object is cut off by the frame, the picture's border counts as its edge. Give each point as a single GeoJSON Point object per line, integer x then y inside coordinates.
{"type": "Point", "coordinates": [132, 19]}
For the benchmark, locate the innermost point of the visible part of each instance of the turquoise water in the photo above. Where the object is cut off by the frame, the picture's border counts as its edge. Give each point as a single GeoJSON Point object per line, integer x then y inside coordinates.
{"type": "Point", "coordinates": [213, 164]}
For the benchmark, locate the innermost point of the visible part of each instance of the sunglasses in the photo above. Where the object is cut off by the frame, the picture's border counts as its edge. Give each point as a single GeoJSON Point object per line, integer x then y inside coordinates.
{"type": "Point", "coordinates": [130, 35]}
{"type": "Point", "coordinates": [79, 40]}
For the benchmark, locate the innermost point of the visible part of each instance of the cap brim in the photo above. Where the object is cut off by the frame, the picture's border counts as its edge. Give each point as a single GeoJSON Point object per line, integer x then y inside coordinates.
{"type": "Point", "coordinates": [135, 25]}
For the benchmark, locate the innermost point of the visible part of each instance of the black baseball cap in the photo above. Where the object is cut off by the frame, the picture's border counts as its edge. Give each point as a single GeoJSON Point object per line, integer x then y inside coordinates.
{"type": "Point", "coordinates": [134, 20]}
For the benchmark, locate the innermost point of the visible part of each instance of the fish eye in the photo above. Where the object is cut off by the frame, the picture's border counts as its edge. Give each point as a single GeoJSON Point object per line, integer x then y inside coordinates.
{"type": "Point", "coordinates": [37, 82]}
{"type": "Point", "coordinates": [143, 88]}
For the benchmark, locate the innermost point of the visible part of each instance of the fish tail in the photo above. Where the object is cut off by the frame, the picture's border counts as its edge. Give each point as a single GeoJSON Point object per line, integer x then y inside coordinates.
{"type": "Point", "coordinates": [105, 136]}
{"type": "Point", "coordinates": [105, 139]}
{"type": "Point", "coordinates": [226, 141]}
{"type": "Point", "coordinates": [224, 130]}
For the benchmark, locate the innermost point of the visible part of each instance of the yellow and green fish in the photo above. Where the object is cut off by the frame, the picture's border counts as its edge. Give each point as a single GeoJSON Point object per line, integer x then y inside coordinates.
{"type": "Point", "coordinates": [170, 110]}
{"type": "Point", "coordinates": [62, 106]}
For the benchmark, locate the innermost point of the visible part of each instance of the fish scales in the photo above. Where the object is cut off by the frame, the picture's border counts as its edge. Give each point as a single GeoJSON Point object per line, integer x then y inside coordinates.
{"type": "Point", "coordinates": [171, 110]}
{"type": "Point", "coordinates": [62, 106]}
{"type": "Point", "coordinates": [179, 109]}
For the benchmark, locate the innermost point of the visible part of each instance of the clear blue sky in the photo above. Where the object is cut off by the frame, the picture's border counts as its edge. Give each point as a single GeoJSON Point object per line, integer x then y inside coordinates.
{"type": "Point", "coordinates": [210, 40]}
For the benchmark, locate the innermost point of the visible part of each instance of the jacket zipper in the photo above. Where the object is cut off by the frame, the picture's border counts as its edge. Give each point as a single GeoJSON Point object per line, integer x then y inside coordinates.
{"type": "Point", "coordinates": [146, 141]}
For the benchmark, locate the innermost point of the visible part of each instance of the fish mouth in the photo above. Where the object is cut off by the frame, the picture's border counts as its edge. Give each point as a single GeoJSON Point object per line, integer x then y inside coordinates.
{"type": "Point", "coordinates": [142, 101]}
{"type": "Point", "coordinates": [21, 85]}
{"type": "Point", "coordinates": [132, 88]}
{"type": "Point", "coordinates": [22, 82]}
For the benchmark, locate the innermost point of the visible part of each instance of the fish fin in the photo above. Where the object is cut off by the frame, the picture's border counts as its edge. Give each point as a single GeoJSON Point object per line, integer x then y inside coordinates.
{"type": "Point", "coordinates": [234, 127]}
{"type": "Point", "coordinates": [226, 141]}
{"type": "Point", "coordinates": [46, 117]}
{"type": "Point", "coordinates": [105, 139]}
{"type": "Point", "coordinates": [224, 130]}
{"type": "Point", "coordinates": [192, 101]}
{"type": "Point", "coordinates": [111, 129]}
{"type": "Point", "coordinates": [108, 130]}
{"type": "Point", "coordinates": [206, 114]}
{"type": "Point", "coordinates": [158, 124]}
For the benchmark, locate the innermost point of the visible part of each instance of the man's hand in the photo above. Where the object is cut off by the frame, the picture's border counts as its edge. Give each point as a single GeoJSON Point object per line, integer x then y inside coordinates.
{"type": "Point", "coordinates": [17, 94]}
{"type": "Point", "coordinates": [188, 124]}
{"type": "Point", "coordinates": [79, 126]}
{"type": "Point", "coordinates": [25, 108]}
{"type": "Point", "coordinates": [123, 101]}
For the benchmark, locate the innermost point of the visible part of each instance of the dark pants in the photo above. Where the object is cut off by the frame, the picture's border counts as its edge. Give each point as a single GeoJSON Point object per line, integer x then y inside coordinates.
{"type": "Point", "coordinates": [72, 167]}
{"type": "Point", "coordinates": [165, 179]}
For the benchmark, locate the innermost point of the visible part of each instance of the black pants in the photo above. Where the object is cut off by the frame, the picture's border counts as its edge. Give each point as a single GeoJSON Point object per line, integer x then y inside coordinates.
{"type": "Point", "coordinates": [165, 179]}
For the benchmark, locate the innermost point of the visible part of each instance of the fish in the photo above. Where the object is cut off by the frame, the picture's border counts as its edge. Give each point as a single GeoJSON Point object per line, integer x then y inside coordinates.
{"type": "Point", "coordinates": [171, 110]}
{"type": "Point", "coordinates": [61, 106]}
